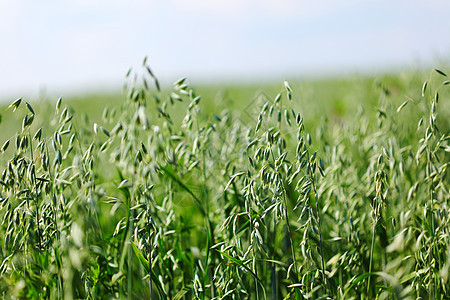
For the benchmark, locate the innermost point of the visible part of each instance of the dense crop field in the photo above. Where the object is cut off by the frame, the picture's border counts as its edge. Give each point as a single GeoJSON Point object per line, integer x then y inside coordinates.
{"type": "Point", "coordinates": [183, 195]}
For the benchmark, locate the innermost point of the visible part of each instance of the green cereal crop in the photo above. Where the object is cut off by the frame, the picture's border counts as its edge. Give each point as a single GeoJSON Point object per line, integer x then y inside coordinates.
{"type": "Point", "coordinates": [160, 199]}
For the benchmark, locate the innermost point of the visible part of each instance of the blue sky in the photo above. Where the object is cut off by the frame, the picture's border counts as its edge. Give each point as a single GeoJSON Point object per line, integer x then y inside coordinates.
{"type": "Point", "coordinates": [70, 46]}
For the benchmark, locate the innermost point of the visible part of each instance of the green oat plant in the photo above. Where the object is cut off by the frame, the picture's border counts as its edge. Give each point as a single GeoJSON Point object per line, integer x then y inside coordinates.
{"type": "Point", "coordinates": [159, 199]}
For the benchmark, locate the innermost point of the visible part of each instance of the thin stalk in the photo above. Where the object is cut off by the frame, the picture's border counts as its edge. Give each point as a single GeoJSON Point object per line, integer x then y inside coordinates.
{"type": "Point", "coordinates": [210, 230]}
{"type": "Point", "coordinates": [126, 234]}
{"type": "Point", "coordinates": [433, 235]}
{"type": "Point", "coordinates": [253, 250]}
{"type": "Point", "coordinates": [288, 226]}
{"type": "Point", "coordinates": [60, 282]}
{"type": "Point", "coordinates": [371, 255]}
{"type": "Point", "coordinates": [149, 254]}
{"type": "Point", "coordinates": [316, 199]}
{"type": "Point", "coordinates": [274, 271]}
{"type": "Point", "coordinates": [209, 227]}
{"type": "Point", "coordinates": [130, 256]}
{"type": "Point", "coordinates": [35, 193]}
{"type": "Point", "coordinates": [130, 236]}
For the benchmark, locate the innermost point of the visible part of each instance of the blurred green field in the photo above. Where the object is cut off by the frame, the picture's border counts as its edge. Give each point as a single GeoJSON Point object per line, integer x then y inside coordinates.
{"type": "Point", "coordinates": [331, 98]}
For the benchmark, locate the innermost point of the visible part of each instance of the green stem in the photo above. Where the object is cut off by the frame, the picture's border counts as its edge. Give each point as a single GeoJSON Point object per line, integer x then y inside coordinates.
{"type": "Point", "coordinates": [288, 226]}
{"type": "Point", "coordinates": [130, 258]}
{"type": "Point", "coordinates": [316, 199]}
{"type": "Point", "coordinates": [35, 193]}
{"type": "Point", "coordinates": [254, 269]}
{"type": "Point", "coordinates": [371, 255]}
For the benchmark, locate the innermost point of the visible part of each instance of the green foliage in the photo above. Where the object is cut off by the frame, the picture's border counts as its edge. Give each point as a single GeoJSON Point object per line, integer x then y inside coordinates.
{"type": "Point", "coordinates": [158, 199]}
